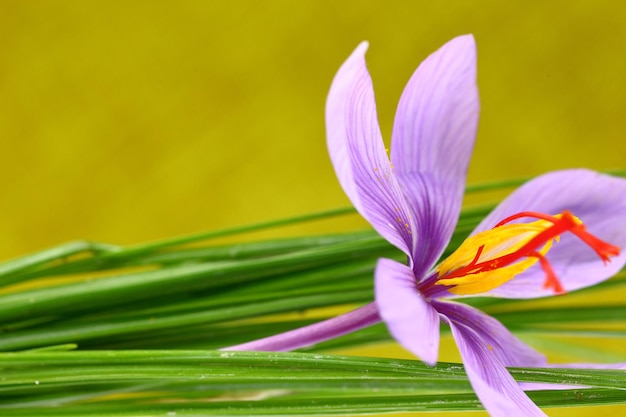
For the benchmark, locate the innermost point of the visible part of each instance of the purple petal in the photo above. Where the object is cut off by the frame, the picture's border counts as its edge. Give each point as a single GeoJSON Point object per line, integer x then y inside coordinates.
{"type": "Point", "coordinates": [411, 320]}
{"type": "Point", "coordinates": [314, 333]}
{"type": "Point", "coordinates": [598, 200]}
{"type": "Point", "coordinates": [495, 387]}
{"type": "Point", "coordinates": [358, 154]}
{"type": "Point", "coordinates": [433, 138]}
{"type": "Point", "coordinates": [501, 342]}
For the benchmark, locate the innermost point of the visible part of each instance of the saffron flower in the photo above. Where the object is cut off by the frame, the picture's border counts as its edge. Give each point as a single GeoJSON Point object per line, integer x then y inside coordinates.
{"type": "Point", "coordinates": [548, 237]}
{"type": "Point", "coordinates": [414, 201]}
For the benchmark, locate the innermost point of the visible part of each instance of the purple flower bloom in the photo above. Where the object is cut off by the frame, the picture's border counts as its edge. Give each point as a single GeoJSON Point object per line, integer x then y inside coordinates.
{"type": "Point", "coordinates": [414, 202]}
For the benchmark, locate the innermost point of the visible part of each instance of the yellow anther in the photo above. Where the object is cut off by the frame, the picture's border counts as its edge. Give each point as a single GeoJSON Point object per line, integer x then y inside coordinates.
{"type": "Point", "coordinates": [474, 267]}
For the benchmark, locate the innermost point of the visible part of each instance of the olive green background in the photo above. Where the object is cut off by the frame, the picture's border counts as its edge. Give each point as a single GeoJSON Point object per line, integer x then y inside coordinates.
{"type": "Point", "coordinates": [127, 121]}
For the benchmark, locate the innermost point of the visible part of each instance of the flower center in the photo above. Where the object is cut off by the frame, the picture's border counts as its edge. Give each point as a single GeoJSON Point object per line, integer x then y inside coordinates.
{"type": "Point", "coordinates": [491, 258]}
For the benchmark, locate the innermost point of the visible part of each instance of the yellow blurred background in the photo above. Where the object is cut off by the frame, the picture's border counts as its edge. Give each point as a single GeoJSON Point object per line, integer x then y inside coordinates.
{"type": "Point", "coordinates": [126, 121]}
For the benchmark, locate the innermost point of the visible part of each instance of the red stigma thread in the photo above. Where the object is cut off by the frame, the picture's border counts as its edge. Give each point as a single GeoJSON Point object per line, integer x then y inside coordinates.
{"type": "Point", "coordinates": [565, 223]}
{"type": "Point", "coordinates": [551, 282]}
{"type": "Point", "coordinates": [568, 222]}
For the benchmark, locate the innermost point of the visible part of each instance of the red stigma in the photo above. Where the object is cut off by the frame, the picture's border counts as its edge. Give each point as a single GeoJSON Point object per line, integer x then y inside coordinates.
{"type": "Point", "coordinates": [491, 258]}
{"type": "Point", "coordinates": [566, 223]}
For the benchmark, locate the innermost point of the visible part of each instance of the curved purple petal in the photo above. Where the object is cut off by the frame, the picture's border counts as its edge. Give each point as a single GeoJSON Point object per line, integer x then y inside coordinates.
{"type": "Point", "coordinates": [598, 200]}
{"type": "Point", "coordinates": [411, 320]}
{"type": "Point", "coordinates": [358, 154]}
{"type": "Point", "coordinates": [495, 387]}
{"type": "Point", "coordinates": [314, 333]}
{"type": "Point", "coordinates": [433, 138]}
{"type": "Point", "coordinates": [499, 340]}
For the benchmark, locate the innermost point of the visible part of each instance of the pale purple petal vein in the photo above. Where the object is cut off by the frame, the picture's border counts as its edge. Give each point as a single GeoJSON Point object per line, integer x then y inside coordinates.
{"type": "Point", "coordinates": [358, 153]}
{"type": "Point", "coordinates": [433, 137]}
{"type": "Point", "coordinates": [499, 393]}
{"type": "Point", "coordinates": [410, 318]}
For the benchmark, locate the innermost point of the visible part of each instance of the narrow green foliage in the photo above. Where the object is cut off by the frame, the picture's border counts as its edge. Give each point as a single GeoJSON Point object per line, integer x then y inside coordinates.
{"type": "Point", "coordinates": [92, 329]}
{"type": "Point", "coordinates": [281, 383]}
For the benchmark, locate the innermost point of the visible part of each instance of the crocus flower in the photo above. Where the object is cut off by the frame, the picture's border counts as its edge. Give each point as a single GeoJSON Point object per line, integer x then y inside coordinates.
{"type": "Point", "coordinates": [548, 237]}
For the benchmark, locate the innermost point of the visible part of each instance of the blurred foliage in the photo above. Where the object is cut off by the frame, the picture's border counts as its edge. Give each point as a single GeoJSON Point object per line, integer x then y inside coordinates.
{"type": "Point", "coordinates": [113, 303]}
{"type": "Point", "coordinates": [128, 121]}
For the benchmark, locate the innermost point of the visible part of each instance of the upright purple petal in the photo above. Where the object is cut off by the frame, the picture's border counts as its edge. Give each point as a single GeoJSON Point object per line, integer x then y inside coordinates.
{"type": "Point", "coordinates": [433, 138]}
{"type": "Point", "coordinates": [499, 393]}
{"type": "Point", "coordinates": [598, 200]}
{"type": "Point", "coordinates": [358, 153]}
{"type": "Point", "coordinates": [509, 350]}
{"type": "Point", "coordinates": [411, 320]}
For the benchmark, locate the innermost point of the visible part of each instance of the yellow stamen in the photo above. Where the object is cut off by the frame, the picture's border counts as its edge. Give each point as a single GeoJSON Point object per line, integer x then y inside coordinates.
{"type": "Point", "coordinates": [493, 257]}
